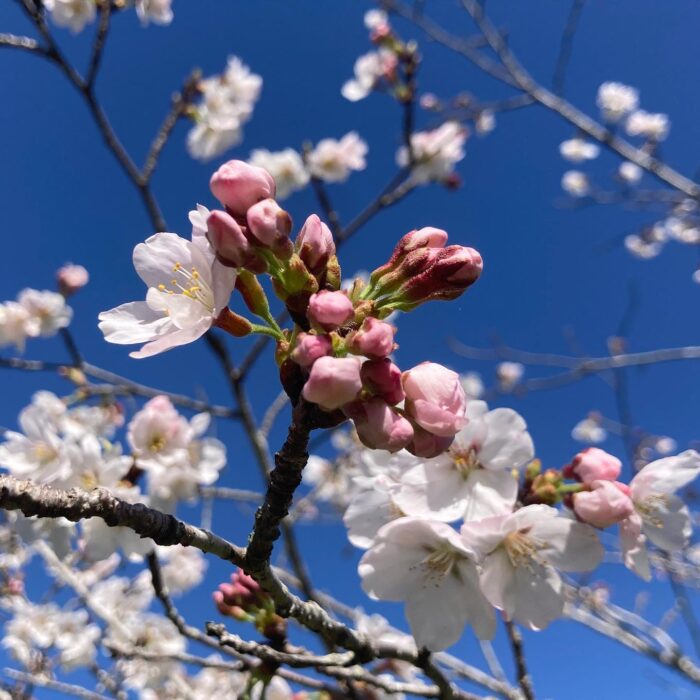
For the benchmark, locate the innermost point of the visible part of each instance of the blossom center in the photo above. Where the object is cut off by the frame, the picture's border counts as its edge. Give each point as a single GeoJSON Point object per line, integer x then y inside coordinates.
{"type": "Point", "coordinates": [465, 460]}
{"type": "Point", "coordinates": [522, 549]}
{"type": "Point", "coordinates": [651, 509]}
{"type": "Point", "coordinates": [44, 453]}
{"type": "Point", "coordinates": [190, 283]}
{"type": "Point", "coordinates": [439, 563]}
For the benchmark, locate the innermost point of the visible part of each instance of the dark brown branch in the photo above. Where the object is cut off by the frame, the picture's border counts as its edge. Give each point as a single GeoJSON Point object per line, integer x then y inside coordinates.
{"type": "Point", "coordinates": [516, 643]}
{"type": "Point", "coordinates": [98, 46]}
{"type": "Point", "coordinates": [566, 46]}
{"type": "Point", "coordinates": [76, 504]}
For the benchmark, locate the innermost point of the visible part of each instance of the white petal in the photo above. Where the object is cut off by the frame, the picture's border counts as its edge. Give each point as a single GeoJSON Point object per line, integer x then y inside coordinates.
{"type": "Point", "coordinates": [669, 526]}
{"type": "Point", "coordinates": [633, 544]}
{"type": "Point", "coordinates": [498, 582]}
{"type": "Point", "coordinates": [538, 595]}
{"type": "Point", "coordinates": [155, 259]}
{"type": "Point", "coordinates": [666, 475]}
{"type": "Point", "coordinates": [508, 445]}
{"type": "Point", "coordinates": [172, 340]}
{"type": "Point", "coordinates": [570, 546]}
{"type": "Point", "coordinates": [490, 493]}
{"type": "Point", "coordinates": [134, 322]}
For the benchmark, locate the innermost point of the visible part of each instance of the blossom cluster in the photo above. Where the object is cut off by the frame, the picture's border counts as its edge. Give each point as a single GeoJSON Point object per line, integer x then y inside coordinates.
{"type": "Point", "coordinates": [522, 527]}
{"type": "Point", "coordinates": [618, 103]}
{"type": "Point", "coordinates": [226, 104]}
{"type": "Point", "coordinates": [77, 14]}
{"type": "Point", "coordinates": [69, 447]}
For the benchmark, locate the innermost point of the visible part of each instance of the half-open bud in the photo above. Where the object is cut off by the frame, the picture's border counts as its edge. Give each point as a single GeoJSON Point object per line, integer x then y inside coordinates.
{"type": "Point", "coordinates": [238, 186]}
{"type": "Point", "coordinates": [607, 503]}
{"type": "Point", "coordinates": [435, 398]}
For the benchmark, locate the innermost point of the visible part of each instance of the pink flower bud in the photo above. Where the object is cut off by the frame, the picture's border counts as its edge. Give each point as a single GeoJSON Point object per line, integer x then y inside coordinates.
{"type": "Point", "coordinates": [593, 464]}
{"type": "Point", "coordinates": [329, 310]}
{"type": "Point", "coordinates": [309, 348]}
{"type": "Point", "coordinates": [379, 427]}
{"type": "Point", "coordinates": [421, 240]}
{"type": "Point", "coordinates": [333, 382]}
{"type": "Point", "coordinates": [435, 398]}
{"type": "Point", "coordinates": [375, 339]}
{"type": "Point", "coordinates": [71, 278]}
{"type": "Point", "coordinates": [383, 378]}
{"type": "Point", "coordinates": [453, 270]}
{"type": "Point", "coordinates": [315, 244]}
{"type": "Point", "coordinates": [238, 186]}
{"type": "Point", "coordinates": [270, 225]}
{"type": "Point", "coordinates": [603, 506]}
{"type": "Point", "coordinates": [427, 445]}
{"type": "Point", "coordinates": [227, 239]}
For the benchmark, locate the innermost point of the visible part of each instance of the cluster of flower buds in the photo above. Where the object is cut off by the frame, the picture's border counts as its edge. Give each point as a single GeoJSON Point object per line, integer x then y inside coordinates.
{"type": "Point", "coordinates": [244, 600]}
{"type": "Point", "coordinates": [338, 355]}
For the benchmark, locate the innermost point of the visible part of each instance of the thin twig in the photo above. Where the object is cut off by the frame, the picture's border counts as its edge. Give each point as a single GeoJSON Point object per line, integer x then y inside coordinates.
{"type": "Point", "coordinates": [516, 644]}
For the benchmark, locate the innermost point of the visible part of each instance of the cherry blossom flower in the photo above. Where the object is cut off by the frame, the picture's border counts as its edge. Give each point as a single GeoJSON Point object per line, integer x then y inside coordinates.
{"type": "Point", "coordinates": [13, 325]}
{"type": "Point", "coordinates": [74, 14]}
{"type": "Point", "coordinates": [227, 104]}
{"type": "Point", "coordinates": [48, 312]}
{"type": "Point", "coordinates": [435, 152]}
{"type": "Point", "coordinates": [187, 290]}
{"type": "Point", "coordinates": [616, 100]}
{"type": "Point", "coordinates": [182, 568]}
{"type": "Point", "coordinates": [589, 431]}
{"type": "Point", "coordinates": [509, 374]}
{"type": "Point", "coordinates": [577, 150]}
{"type": "Point", "coordinates": [286, 167]}
{"type": "Point", "coordinates": [654, 127]}
{"type": "Point", "coordinates": [156, 11]}
{"type": "Point", "coordinates": [333, 161]}
{"type": "Point", "coordinates": [521, 554]}
{"type": "Point", "coordinates": [660, 515]}
{"type": "Point", "coordinates": [369, 70]}
{"type": "Point", "coordinates": [429, 566]}
{"type": "Point", "coordinates": [575, 183]}
{"type": "Point", "coordinates": [630, 173]}
{"type": "Point", "coordinates": [472, 384]}
{"type": "Point", "coordinates": [473, 479]}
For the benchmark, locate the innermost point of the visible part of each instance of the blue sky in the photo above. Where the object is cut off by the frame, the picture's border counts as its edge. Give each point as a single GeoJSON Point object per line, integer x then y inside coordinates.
{"type": "Point", "coordinates": [547, 267]}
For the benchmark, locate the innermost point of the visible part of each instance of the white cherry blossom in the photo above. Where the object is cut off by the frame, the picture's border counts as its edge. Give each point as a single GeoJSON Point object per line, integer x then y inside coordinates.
{"type": "Point", "coordinates": [73, 14]}
{"type": "Point", "coordinates": [575, 183]}
{"type": "Point", "coordinates": [333, 160]}
{"type": "Point", "coordinates": [654, 127]}
{"type": "Point", "coordinates": [156, 11]}
{"type": "Point", "coordinates": [369, 69]}
{"type": "Point", "coordinates": [187, 290]}
{"type": "Point", "coordinates": [616, 100]}
{"type": "Point", "coordinates": [522, 553]}
{"type": "Point", "coordinates": [435, 152]}
{"type": "Point", "coordinates": [427, 565]}
{"type": "Point", "coordinates": [577, 150]}
{"type": "Point", "coordinates": [660, 515]}
{"type": "Point", "coordinates": [13, 325]}
{"type": "Point", "coordinates": [48, 312]}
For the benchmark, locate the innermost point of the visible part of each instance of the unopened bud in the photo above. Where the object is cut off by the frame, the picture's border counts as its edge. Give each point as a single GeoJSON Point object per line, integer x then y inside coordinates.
{"type": "Point", "coordinates": [310, 347]}
{"type": "Point", "coordinates": [333, 382]}
{"type": "Point", "coordinates": [383, 378]}
{"type": "Point", "coordinates": [238, 186]}
{"type": "Point", "coordinates": [329, 310]}
{"type": "Point", "coordinates": [427, 445]}
{"type": "Point", "coordinates": [269, 225]}
{"type": "Point", "coordinates": [374, 339]}
{"type": "Point", "coordinates": [378, 426]}
{"type": "Point", "coordinates": [314, 244]}
{"type": "Point", "coordinates": [232, 323]}
{"type": "Point", "coordinates": [71, 278]}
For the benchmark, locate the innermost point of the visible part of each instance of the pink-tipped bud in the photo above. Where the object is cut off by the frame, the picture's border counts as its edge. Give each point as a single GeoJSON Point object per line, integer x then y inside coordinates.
{"type": "Point", "coordinates": [453, 270]}
{"type": "Point", "coordinates": [427, 445]}
{"type": "Point", "coordinates": [333, 382]}
{"type": "Point", "coordinates": [329, 310]}
{"type": "Point", "coordinates": [71, 278]}
{"type": "Point", "coordinates": [227, 239]}
{"type": "Point", "coordinates": [383, 378]}
{"type": "Point", "coordinates": [270, 225]}
{"type": "Point", "coordinates": [374, 339]}
{"type": "Point", "coordinates": [238, 186]}
{"type": "Point", "coordinates": [378, 426]}
{"type": "Point", "coordinates": [310, 347]}
{"type": "Point", "coordinates": [593, 464]}
{"type": "Point", "coordinates": [604, 505]}
{"type": "Point", "coordinates": [420, 240]}
{"type": "Point", "coordinates": [314, 244]}
{"type": "Point", "coordinates": [435, 398]}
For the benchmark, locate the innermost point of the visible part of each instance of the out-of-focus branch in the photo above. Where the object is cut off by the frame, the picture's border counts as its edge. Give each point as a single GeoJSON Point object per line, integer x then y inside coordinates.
{"type": "Point", "coordinates": [516, 644]}
{"type": "Point", "coordinates": [98, 46]}
{"type": "Point", "coordinates": [566, 46]}
{"type": "Point", "coordinates": [21, 42]}
{"type": "Point", "coordinates": [32, 679]}
{"type": "Point", "coordinates": [627, 628]}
